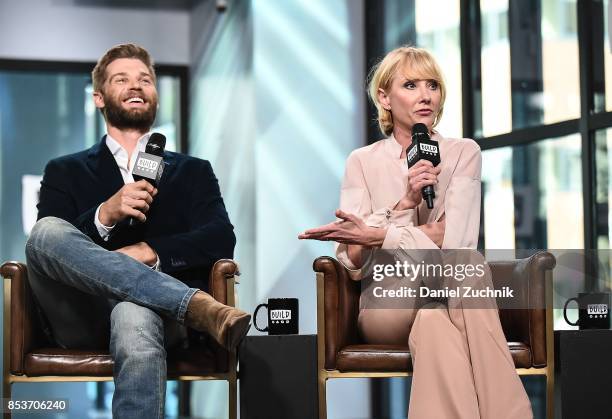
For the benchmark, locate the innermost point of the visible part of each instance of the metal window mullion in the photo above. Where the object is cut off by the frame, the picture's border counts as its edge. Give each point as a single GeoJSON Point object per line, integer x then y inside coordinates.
{"type": "Point", "coordinates": [184, 88]}
{"type": "Point", "coordinates": [471, 46]}
{"type": "Point", "coordinates": [585, 59]}
{"type": "Point", "coordinates": [600, 121]}
{"type": "Point", "coordinates": [374, 44]}
{"type": "Point", "coordinates": [530, 135]}
{"type": "Point", "coordinates": [526, 75]}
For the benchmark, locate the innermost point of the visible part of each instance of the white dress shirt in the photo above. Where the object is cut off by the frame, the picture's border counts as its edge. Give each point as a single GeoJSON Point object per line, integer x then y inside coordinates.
{"type": "Point", "coordinates": [126, 166]}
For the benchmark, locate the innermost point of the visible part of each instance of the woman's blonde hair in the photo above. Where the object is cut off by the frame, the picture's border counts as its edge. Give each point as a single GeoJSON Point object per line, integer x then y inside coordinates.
{"type": "Point", "coordinates": [416, 63]}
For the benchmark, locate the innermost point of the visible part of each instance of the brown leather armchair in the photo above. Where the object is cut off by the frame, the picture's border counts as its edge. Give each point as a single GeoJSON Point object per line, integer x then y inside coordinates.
{"type": "Point", "coordinates": [29, 357]}
{"type": "Point", "coordinates": [343, 354]}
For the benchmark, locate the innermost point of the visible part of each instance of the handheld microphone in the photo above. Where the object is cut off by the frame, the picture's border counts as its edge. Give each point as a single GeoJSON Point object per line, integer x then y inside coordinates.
{"type": "Point", "coordinates": [150, 163]}
{"type": "Point", "coordinates": [423, 147]}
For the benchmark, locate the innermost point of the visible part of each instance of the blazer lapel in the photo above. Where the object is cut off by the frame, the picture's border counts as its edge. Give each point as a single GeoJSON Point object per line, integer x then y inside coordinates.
{"type": "Point", "coordinates": [105, 169]}
{"type": "Point", "coordinates": [108, 176]}
{"type": "Point", "coordinates": [169, 163]}
{"type": "Point", "coordinates": [158, 201]}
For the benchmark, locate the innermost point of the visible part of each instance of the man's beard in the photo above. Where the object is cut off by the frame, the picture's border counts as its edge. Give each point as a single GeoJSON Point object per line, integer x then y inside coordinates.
{"type": "Point", "coordinates": [138, 119]}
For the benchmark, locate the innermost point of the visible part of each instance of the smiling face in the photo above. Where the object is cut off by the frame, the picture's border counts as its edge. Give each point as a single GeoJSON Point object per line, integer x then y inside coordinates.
{"type": "Point", "coordinates": [411, 100]}
{"type": "Point", "coordinates": [128, 97]}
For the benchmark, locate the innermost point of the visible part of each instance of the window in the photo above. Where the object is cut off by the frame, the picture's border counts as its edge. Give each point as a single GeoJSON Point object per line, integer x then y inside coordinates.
{"type": "Point", "coordinates": [607, 52]}
{"type": "Point", "coordinates": [531, 192]}
{"type": "Point", "coordinates": [439, 33]}
{"type": "Point", "coordinates": [536, 94]}
{"type": "Point", "coordinates": [495, 68]}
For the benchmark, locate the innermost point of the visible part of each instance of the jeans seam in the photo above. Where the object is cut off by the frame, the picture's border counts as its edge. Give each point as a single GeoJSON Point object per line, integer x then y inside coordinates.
{"type": "Point", "coordinates": [183, 306]}
{"type": "Point", "coordinates": [161, 397]}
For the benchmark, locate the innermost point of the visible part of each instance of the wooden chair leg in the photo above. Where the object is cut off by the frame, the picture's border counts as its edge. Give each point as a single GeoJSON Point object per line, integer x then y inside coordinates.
{"type": "Point", "coordinates": [6, 391]}
{"type": "Point", "coordinates": [6, 382]}
{"type": "Point", "coordinates": [322, 396]}
{"type": "Point", "coordinates": [6, 344]}
{"type": "Point", "coordinates": [550, 394]}
{"type": "Point", "coordinates": [233, 398]}
{"type": "Point", "coordinates": [184, 398]}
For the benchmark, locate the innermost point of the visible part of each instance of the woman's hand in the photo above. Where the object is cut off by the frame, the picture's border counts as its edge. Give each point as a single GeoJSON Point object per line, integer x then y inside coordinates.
{"type": "Point", "coordinates": [435, 231]}
{"type": "Point", "coordinates": [422, 174]}
{"type": "Point", "coordinates": [350, 229]}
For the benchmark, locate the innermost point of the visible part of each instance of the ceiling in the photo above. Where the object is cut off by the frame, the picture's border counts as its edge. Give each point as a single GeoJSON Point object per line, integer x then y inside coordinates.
{"type": "Point", "coordinates": [142, 4]}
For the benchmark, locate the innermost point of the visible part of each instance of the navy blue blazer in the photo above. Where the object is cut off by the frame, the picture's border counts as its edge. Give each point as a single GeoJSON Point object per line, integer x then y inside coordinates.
{"type": "Point", "coordinates": [187, 223]}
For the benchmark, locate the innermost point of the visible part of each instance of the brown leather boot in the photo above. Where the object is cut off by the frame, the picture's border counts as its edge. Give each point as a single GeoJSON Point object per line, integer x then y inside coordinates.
{"type": "Point", "coordinates": [227, 325]}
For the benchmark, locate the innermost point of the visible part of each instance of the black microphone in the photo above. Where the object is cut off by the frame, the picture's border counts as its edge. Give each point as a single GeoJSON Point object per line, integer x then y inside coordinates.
{"type": "Point", "coordinates": [150, 163]}
{"type": "Point", "coordinates": [423, 147]}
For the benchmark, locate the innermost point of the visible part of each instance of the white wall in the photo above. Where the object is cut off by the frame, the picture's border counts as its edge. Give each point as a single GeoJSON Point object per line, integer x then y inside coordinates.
{"type": "Point", "coordinates": [59, 30]}
{"type": "Point", "coordinates": [309, 97]}
{"type": "Point", "coordinates": [277, 104]}
{"type": "Point", "coordinates": [222, 130]}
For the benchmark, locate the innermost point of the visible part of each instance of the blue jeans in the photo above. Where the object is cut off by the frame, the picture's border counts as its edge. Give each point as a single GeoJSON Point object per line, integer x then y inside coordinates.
{"type": "Point", "coordinates": [85, 291]}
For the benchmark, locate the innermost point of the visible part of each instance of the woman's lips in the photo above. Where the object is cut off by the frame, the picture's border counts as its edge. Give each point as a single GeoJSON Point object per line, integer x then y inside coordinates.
{"type": "Point", "coordinates": [424, 112]}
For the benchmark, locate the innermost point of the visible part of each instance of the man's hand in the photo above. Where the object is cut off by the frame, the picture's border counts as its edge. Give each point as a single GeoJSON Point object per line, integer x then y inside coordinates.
{"type": "Point", "coordinates": [132, 200]}
{"type": "Point", "coordinates": [350, 229]}
{"type": "Point", "coordinates": [140, 251]}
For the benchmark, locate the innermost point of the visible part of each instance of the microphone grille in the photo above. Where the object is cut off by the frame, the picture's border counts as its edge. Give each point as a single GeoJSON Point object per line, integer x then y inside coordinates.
{"type": "Point", "coordinates": [420, 129]}
{"type": "Point", "coordinates": [156, 144]}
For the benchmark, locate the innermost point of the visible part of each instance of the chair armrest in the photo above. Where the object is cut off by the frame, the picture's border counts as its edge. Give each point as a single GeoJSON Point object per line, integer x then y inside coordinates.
{"type": "Point", "coordinates": [536, 267]}
{"type": "Point", "coordinates": [18, 312]}
{"type": "Point", "coordinates": [340, 302]}
{"type": "Point", "coordinates": [527, 324]}
{"type": "Point", "coordinates": [221, 283]}
{"type": "Point", "coordinates": [223, 270]}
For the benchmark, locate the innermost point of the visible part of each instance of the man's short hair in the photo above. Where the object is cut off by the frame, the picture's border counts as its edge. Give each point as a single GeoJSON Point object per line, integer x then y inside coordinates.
{"type": "Point", "coordinates": [98, 75]}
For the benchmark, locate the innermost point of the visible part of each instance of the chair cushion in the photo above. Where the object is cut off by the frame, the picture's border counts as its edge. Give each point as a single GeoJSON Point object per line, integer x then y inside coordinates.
{"type": "Point", "coordinates": [393, 358]}
{"type": "Point", "coordinates": [56, 361]}
{"type": "Point", "coordinates": [374, 358]}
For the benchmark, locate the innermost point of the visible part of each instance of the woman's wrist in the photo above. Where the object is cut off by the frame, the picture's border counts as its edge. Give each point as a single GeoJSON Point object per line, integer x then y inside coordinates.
{"type": "Point", "coordinates": [376, 236]}
{"type": "Point", "coordinates": [353, 252]}
{"type": "Point", "coordinates": [404, 204]}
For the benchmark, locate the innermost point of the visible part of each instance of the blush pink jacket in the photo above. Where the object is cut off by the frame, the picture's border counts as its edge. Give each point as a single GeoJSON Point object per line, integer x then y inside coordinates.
{"type": "Point", "coordinates": [376, 178]}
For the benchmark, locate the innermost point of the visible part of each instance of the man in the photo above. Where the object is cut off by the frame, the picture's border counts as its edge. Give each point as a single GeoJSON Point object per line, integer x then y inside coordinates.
{"type": "Point", "coordinates": [93, 271]}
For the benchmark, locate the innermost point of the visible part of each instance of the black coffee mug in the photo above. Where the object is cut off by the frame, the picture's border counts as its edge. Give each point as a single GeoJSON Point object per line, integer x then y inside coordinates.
{"type": "Point", "coordinates": [283, 316]}
{"type": "Point", "coordinates": [593, 310]}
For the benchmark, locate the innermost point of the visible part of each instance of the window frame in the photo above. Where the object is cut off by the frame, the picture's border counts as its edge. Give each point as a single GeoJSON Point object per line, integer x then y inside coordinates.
{"type": "Point", "coordinates": [83, 67]}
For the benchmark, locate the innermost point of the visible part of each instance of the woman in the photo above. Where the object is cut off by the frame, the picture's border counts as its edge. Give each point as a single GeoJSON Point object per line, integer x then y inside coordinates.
{"type": "Point", "coordinates": [461, 363]}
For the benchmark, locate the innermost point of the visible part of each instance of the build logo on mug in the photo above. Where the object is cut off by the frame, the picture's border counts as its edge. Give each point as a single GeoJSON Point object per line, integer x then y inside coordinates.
{"type": "Point", "coordinates": [593, 310]}
{"type": "Point", "coordinates": [283, 316]}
